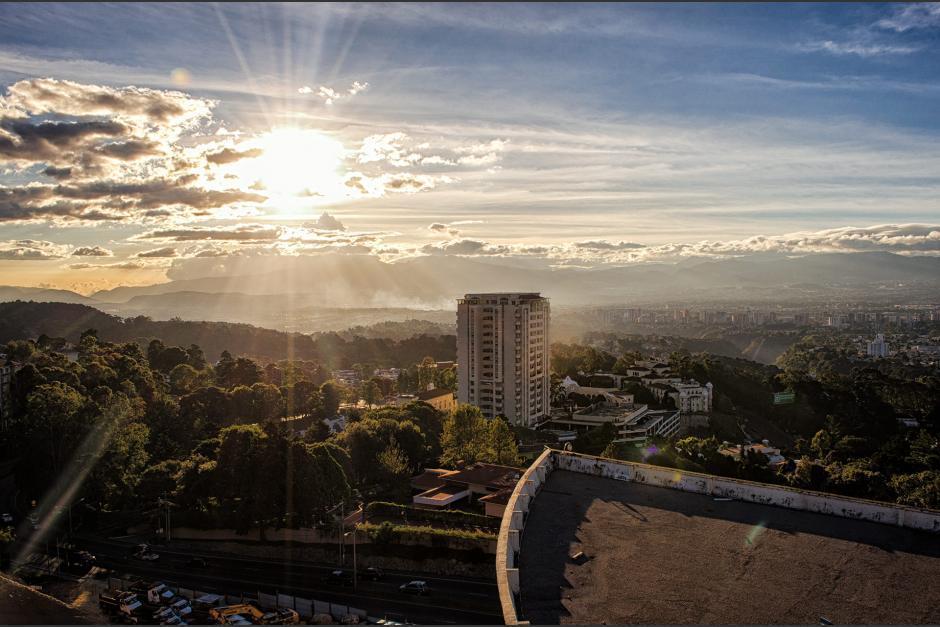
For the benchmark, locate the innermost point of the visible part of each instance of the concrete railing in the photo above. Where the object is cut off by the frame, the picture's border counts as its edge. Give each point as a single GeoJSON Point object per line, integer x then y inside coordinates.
{"type": "Point", "coordinates": [509, 541]}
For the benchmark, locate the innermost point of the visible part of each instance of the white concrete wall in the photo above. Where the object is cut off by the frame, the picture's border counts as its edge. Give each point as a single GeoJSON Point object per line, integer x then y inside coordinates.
{"type": "Point", "coordinates": [509, 540]}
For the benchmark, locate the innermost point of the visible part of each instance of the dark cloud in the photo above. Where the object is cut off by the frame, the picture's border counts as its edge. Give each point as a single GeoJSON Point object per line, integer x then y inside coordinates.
{"type": "Point", "coordinates": [605, 245]}
{"type": "Point", "coordinates": [326, 222]}
{"type": "Point", "coordinates": [58, 173]}
{"type": "Point", "coordinates": [93, 251]}
{"type": "Point", "coordinates": [52, 141]}
{"type": "Point", "coordinates": [129, 150]}
{"type": "Point", "coordinates": [244, 233]}
{"type": "Point", "coordinates": [159, 252]}
{"type": "Point", "coordinates": [230, 155]}
{"type": "Point", "coordinates": [108, 200]}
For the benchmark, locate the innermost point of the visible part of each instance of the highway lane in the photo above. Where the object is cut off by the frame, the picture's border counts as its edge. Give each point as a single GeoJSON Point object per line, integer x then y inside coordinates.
{"type": "Point", "coordinates": [452, 599]}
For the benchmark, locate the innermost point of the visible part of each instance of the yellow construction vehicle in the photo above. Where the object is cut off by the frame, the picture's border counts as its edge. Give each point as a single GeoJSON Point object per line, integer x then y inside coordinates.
{"type": "Point", "coordinates": [245, 614]}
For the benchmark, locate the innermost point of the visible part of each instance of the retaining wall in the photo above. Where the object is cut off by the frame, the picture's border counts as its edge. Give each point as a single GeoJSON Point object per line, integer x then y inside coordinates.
{"type": "Point", "coordinates": [513, 523]}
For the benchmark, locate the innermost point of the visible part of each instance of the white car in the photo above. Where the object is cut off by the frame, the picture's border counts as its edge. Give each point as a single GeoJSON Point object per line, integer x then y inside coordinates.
{"type": "Point", "coordinates": [415, 587]}
{"type": "Point", "coordinates": [148, 557]}
{"type": "Point", "coordinates": [6, 517]}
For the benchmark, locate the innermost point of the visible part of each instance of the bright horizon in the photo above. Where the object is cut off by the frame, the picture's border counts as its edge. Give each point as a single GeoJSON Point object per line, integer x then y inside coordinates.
{"type": "Point", "coordinates": [136, 141]}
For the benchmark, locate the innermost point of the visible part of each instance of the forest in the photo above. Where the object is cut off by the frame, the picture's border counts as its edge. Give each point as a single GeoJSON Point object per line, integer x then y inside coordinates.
{"type": "Point", "coordinates": [230, 443]}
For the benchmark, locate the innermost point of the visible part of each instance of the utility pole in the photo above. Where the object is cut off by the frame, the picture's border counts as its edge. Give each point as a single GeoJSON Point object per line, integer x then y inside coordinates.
{"type": "Point", "coordinates": [355, 564]}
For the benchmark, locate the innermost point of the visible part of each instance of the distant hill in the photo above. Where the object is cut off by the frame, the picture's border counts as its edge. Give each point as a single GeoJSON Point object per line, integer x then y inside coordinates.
{"type": "Point", "coordinates": [41, 294]}
{"type": "Point", "coordinates": [362, 281]}
{"type": "Point", "coordinates": [28, 320]}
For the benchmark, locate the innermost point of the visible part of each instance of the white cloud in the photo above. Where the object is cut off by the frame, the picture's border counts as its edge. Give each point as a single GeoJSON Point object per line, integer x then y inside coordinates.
{"type": "Point", "coordinates": [912, 16]}
{"type": "Point", "coordinates": [857, 48]}
{"type": "Point", "coordinates": [330, 95]}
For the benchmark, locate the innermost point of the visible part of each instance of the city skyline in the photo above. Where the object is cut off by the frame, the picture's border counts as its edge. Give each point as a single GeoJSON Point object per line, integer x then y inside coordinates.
{"type": "Point", "coordinates": [211, 137]}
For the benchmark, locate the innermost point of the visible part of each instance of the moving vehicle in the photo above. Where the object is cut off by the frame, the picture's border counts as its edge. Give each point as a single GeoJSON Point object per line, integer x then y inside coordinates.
{"type": "Point", "coordinates": [6, 517]}
{"type": "Point", "coordinates": [198, 562]}
{"type": "Point", "coordinates": [415, 587]}
{"type": "Point", "coordinates": [372, 573]}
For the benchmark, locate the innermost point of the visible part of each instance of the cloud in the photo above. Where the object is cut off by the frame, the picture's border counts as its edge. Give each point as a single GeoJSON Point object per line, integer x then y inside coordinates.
{"type": "Point", "coordinates": [31, 250]}
{"type": "Point", "coordinates": [114, 200]}
{"type": "Point", "coordinates": [326, 222]}
{"type": "Point", "coordinates": [240, 233]}
{"type": "Point", "coordinates": [230, 155]}
{"type": "Point", "coordinates": [137, 106]}
{"type": "Point", "coordinates": [330, 95]}
{"type": "Point", "coordinates": [115, 151]}
{"type": "Point", "coordinates": [122, 265]}
{"type": "Point", "coordinates": [92, 251]}
{"type": "Point", "coordinates": [159, 252]}
{"type": "Point", "coordinates": [855, 48]}
{"type": "Point", "coordinates": [912, 16]}
{"type": "Point", "coordinates": [605, 245]}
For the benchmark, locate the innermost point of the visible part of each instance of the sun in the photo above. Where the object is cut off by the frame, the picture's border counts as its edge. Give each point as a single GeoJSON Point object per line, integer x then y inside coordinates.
{"type": "Point", "coordinates": [297, 162]}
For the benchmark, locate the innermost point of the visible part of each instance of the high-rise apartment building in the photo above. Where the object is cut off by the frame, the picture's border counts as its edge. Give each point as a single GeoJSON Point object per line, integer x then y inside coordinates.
{"type": "Point", "coordinates": [502, 355]}
{"type": "Point", "coordinates": [878, 347]}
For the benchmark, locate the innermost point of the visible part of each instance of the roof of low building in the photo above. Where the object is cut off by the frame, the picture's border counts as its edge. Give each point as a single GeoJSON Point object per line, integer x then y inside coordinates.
{"type": "Point", "coordinates": [497, 498]}
{"type": "Point", "coordinates": [490, 475]}
{"type": "Point", "coordinates": [430, 478]}
{"type": "Point", "coordinates": [428, 395]}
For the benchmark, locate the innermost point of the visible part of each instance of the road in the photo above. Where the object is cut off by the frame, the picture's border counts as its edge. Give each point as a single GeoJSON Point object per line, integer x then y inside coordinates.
{"type": "Point", "coordinates": [452, 599]}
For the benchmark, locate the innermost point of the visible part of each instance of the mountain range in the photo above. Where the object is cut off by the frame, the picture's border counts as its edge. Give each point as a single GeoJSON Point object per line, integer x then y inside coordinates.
{"type": "Point", "coordinates": [297, 292]}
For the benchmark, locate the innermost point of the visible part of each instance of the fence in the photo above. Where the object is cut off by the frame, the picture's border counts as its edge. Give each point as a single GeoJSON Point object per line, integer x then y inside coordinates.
{"type": "Point", "coordinates": [305, 607]}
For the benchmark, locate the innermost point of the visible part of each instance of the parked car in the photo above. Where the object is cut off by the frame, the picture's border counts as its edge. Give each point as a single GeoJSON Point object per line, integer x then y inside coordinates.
{"type": "Point", "coordinates": [372, 573]}
{"type": "Point", "coordinates": [415, 587]}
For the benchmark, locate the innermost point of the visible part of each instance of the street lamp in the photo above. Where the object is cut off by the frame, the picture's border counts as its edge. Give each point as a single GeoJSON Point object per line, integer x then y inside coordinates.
{"type": "Point", "coordinates": [355, 564]}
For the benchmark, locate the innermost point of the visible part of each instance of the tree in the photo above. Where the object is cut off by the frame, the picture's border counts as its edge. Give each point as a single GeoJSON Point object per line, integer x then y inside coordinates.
{"type": "Point", "coordinates": [920, 489]}
{"type": "Point", "coordinates": [459, 442]}
{"type": "Point", "coordinates": [370, 392]}
{"type": "Point", "coordinates": [331, 395]}
{"type": "Point", "coordinates": [52, 427]}
{"type": "Point", "coordinates": [118, 470]}
{"type": "Point", "coordinates": [183, 379]}
{"type": "Point", "coordinates": [394, 472]}
{"type": "Point", "coordinates": [500, 444]}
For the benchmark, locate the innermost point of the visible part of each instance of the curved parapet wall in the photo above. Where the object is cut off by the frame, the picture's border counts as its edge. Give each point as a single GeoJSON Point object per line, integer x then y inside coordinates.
{"type": "Point", "coordinates": [508, 543]}
{"type": "Point", "coordinates": [513, 523]}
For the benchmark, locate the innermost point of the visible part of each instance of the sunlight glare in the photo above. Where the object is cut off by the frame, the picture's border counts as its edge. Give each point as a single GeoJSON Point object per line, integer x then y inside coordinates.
{"type": "Point", "coordinates": [298, 162]}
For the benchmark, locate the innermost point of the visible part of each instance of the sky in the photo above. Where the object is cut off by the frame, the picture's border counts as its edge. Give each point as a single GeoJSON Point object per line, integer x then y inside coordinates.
{"type": "Point", "coordinates": [141, 142]}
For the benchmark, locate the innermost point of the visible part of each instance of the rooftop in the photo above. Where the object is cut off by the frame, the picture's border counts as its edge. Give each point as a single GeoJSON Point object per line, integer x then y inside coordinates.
{"type": "Point", "coordinates": [491, 475]}
{"type": "Point", "coordinates": [427, 395]}
{"type": "Point", "coordinates": [659, 555]}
